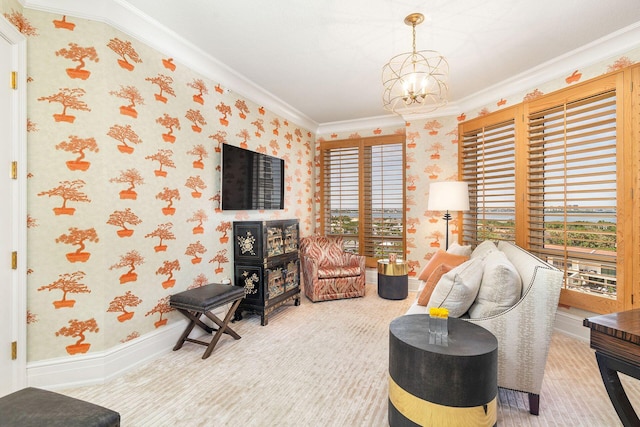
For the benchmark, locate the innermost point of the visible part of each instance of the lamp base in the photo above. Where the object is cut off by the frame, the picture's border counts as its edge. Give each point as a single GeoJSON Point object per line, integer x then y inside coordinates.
{"type": "Point", "coordinates": [447, 217]}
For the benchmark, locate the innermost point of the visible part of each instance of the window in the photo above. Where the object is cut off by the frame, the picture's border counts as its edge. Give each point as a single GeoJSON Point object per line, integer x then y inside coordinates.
{"type": "Point", "coordinates": [572, 186]}
{"type": "Point", "coordinates": [362, 193]}
{"type": "Point", "coordinates": [487, 155]}
{"type": "Point", "coordinates": [556, 175]}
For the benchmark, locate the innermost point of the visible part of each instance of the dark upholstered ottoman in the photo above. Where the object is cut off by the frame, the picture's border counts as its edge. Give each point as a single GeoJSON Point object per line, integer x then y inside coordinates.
{"type": "Point", "coordinates": [193, 303]}
{"type": "Point", "coordinates": [34, 407]}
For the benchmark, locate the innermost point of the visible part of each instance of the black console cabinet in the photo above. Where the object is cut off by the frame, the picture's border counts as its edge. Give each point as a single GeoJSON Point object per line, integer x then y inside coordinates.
{"type": "Point", "coordinates": [266, 264]}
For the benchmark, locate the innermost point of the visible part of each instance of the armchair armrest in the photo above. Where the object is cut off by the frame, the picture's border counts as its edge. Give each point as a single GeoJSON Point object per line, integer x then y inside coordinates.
{"type": "Point", "coordinates": [353, 260]}
{"type": "Point", "coordinates": [309, 265]}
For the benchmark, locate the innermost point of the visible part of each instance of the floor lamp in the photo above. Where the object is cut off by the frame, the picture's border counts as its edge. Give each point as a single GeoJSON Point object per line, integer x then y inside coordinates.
{"type": "Point", "coordinates": [448, 196]}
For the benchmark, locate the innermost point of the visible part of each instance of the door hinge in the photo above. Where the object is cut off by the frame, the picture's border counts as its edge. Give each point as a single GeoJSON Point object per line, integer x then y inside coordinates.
{"type": "Point", "coordinates": [14, 350]}
{"type": "Point", "coordinates": [14, 260]}
{"type": "Point", "coordinates": [14, 170]}
{"type": "Point", "coordinates": [14, 80]}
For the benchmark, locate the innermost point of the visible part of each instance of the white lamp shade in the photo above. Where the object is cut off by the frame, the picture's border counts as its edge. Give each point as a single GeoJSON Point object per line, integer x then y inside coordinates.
{"type": "Point", "coordinates": [448, 196]}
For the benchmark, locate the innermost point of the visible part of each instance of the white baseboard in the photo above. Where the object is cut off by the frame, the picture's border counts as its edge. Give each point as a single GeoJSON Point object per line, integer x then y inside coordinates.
{"type": "Point", "coordinates": [100, 367]}
{"type": "Point", "coordinates": [571, 324]}
{"type": "Point", "coordinates": [371, 276]}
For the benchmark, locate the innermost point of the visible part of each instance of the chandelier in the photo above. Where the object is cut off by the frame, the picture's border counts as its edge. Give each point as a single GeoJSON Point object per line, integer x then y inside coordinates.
{"type": "Point", "coordinates": [414, 82]}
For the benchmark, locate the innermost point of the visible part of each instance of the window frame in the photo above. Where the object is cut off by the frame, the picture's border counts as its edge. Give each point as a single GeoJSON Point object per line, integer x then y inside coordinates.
{"type": "Point", "coordinates": [627, 181]}
{"type": "Point", "coordinates": [361, 144]}
{"type": "Point", "coordinates": [471, 134]}
{"type": "Point", "coordinates": [586, 90]}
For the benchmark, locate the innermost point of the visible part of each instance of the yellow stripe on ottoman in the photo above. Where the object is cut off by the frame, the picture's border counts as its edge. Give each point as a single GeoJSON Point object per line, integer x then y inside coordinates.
{"type": "Point", "coordinates": [425, 413]}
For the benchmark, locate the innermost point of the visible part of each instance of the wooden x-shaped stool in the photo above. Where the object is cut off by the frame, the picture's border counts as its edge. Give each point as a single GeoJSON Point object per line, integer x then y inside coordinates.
{"type": "Point", "coordinates": [193, 303]}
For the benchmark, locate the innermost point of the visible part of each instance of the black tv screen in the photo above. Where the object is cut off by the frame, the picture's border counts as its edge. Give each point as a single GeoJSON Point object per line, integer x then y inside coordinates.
{"type": "Point", "coordinates": [251, 180]}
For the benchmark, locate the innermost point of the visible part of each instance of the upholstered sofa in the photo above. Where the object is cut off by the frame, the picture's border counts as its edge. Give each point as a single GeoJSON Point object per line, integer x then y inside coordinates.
{"type": "Point", "coordinates": [524, 328]}
{"type": "Point", "coordinates": [328, 271]}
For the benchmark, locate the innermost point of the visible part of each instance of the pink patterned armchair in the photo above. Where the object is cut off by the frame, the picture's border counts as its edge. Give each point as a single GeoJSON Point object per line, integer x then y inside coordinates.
{"type": "Point", "coordinates": [329, 272]}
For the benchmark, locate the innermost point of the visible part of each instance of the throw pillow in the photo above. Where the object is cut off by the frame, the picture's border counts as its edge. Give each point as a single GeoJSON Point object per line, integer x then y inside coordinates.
{"type": "Point", "coordinates": [431, 283]}
{"type": "Point", "coordinates": [483, 249]}
{"type": "Point", "coordinates": [458, 288]}
{"type": "Point", "coordinates": [440, 257]}
{"type": "Point", "coordinates": [500, 288]}
{"type": "Point", "coordinates": [458, 249]}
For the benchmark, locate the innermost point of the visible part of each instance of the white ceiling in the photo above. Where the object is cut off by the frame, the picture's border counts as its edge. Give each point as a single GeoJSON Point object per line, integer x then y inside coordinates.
{"type": "Point", "coordinates": [324, 58]}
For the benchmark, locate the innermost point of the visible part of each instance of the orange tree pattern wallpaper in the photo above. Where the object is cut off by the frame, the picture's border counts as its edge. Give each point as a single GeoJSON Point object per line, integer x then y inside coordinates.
{"type": "Point", "coordinates": [123, 182]}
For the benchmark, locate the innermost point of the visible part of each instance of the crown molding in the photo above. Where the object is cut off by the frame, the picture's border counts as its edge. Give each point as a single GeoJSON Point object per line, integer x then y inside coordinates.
{"type": "Point", "coordinates": [359, 124]}
{"type": "Point", "coordinates": [604, 48]}
{"type": "Point", "coordinates": [134, 23]}
{"type": "Point", "coordinates": [451, 109]}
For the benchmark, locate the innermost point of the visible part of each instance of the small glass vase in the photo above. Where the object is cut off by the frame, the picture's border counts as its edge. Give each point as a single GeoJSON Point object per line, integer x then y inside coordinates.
{"type": "Point", "coordinates": [438, 326]}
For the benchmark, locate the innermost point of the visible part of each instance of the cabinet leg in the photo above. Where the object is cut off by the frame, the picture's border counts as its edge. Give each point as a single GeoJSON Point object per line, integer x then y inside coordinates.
{"type": "Point", "coordinates": [237, 315]}
{"type": "Point", "coordinates": [297, 301]}
{"type": "Point", "coordinates": [264, 320]}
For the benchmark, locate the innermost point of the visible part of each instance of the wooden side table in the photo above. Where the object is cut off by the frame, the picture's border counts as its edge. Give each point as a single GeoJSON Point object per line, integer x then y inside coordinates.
{"type": "Point", "coordinates": [437, 385]}
{"type": "Point", "coordinates": [393, 279]}
{"type": "Point", "coordinates": [616, 339]}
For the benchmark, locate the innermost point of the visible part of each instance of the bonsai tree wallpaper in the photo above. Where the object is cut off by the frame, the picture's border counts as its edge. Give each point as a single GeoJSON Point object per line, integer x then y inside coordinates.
{"type": "Point", "coordinates": [121, 194]}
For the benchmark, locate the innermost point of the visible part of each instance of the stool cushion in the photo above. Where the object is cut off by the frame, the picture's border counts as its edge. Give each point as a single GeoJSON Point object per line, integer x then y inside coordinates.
{"type": "Point", "coordinates": [35, 407]}
{"type": "Point", "coordinates": [206, 297]}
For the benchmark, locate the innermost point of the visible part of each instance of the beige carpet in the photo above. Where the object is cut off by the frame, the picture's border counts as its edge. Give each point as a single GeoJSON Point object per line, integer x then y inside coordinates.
{"type": "Point", "coordinates": [325, 364]}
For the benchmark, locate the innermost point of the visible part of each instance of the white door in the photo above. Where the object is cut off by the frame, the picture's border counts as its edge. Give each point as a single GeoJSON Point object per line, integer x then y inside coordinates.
{"type": "Point", "coordinates": [12, 217]}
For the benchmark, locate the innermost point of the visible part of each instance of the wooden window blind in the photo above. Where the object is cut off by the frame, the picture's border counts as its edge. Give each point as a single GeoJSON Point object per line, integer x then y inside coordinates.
{"type": "Point", "coordinates": [487, 156]}
{"type": "Point", "coordinates": [383, 225]}
{"type": "Point", "coordinates": [363, 200]}
{"type": "Point", "coordinates": [341, 190]}
{"type": "Point", "coordinates": [572, 190]}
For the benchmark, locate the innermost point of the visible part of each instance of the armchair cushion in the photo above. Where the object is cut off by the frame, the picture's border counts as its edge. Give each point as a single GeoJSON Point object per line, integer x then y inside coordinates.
{"type": "Point", "coordinates": [338, 271]}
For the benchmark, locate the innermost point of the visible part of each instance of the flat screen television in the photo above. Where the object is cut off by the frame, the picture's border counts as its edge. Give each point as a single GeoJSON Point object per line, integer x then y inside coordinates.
{"type": "Point", "coordinates": [251, 180]}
